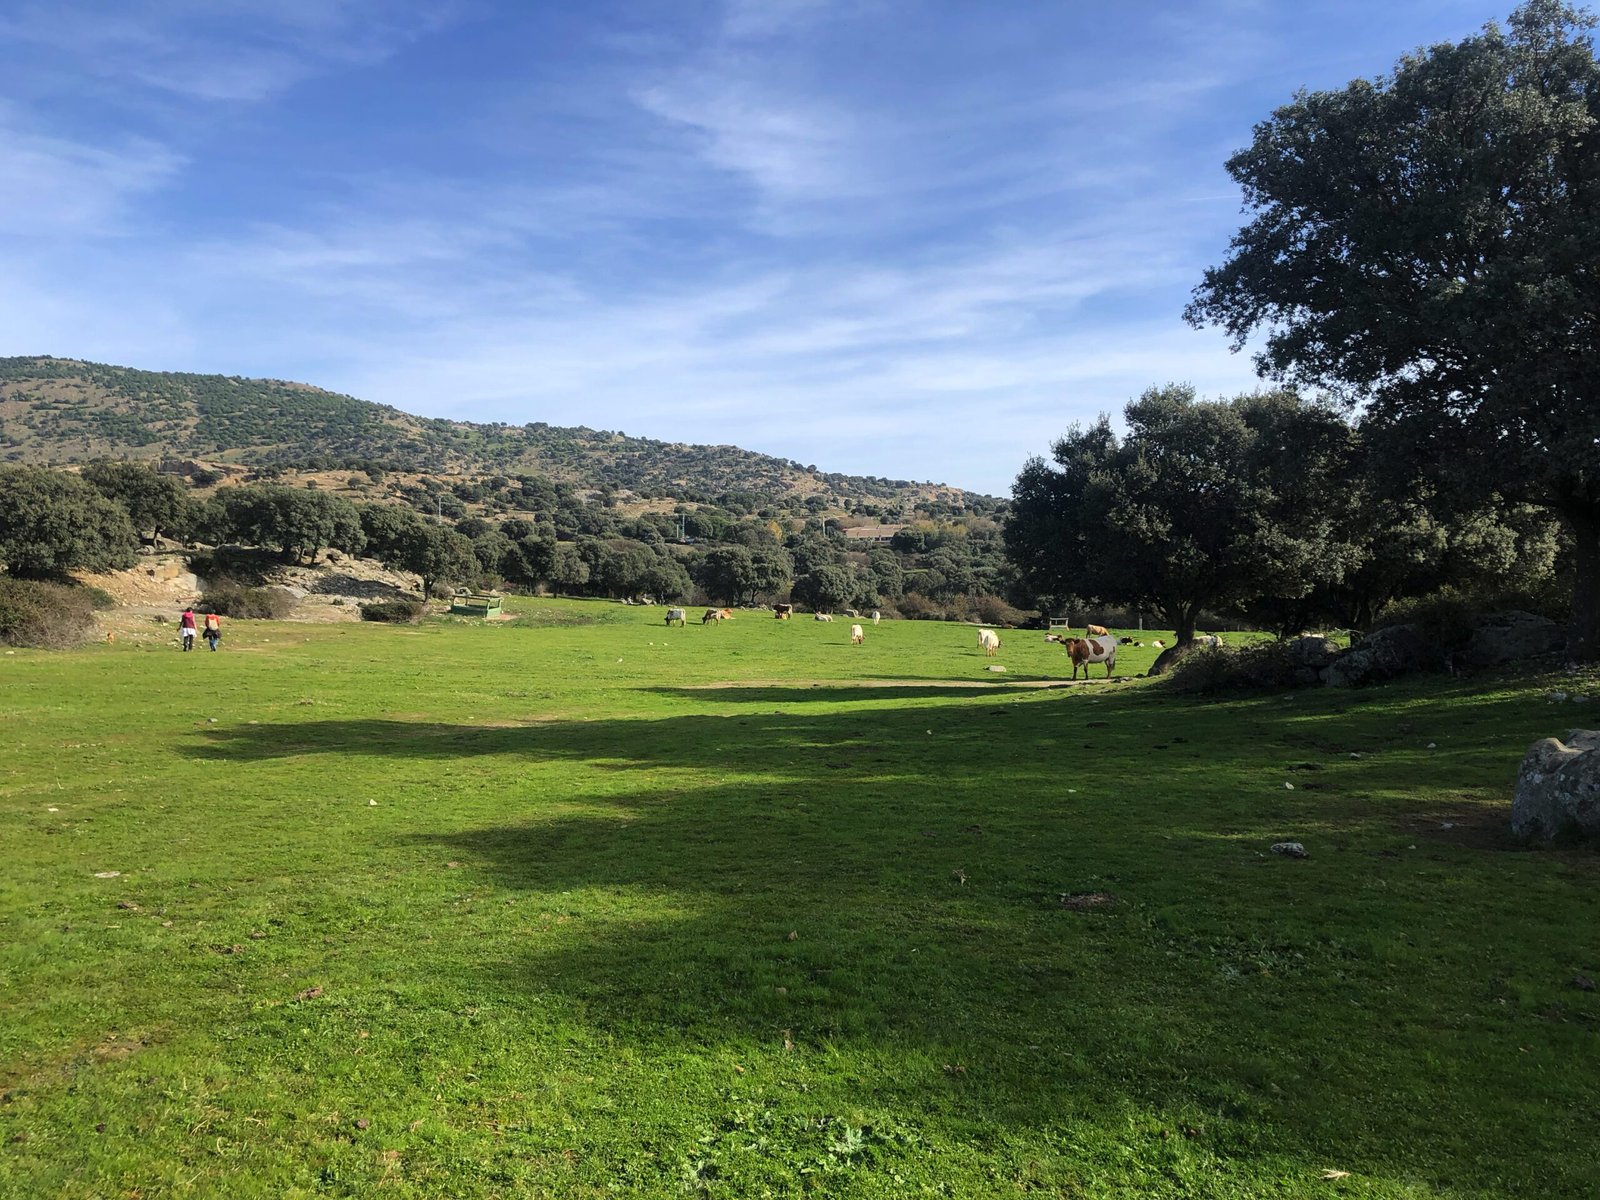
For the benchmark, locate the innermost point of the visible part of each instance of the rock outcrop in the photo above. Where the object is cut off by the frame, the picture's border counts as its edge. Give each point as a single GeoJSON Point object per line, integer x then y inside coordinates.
{"type": "Point", "coordinates": [1513, 637]}
{"type": "Point", "coordinates": [1558, 788]}
{"type": "Point", "coordinates": [1386, 654]}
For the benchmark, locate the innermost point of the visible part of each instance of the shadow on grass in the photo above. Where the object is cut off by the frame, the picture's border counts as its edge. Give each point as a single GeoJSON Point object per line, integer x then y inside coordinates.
{"type": "Point", "coordinates": [886, 882]}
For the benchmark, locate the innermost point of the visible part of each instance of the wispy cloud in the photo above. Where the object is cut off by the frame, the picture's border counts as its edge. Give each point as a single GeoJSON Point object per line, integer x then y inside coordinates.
{"type": "Point", "coordinates": [249, 52]}
{"type": "Point", "coordinates": [56, 186]}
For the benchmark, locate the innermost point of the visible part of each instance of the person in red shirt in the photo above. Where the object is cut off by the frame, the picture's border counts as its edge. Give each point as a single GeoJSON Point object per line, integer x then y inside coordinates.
{"type": "Point", "coordinates": [213, 627]}
{"type": "Point", "coordinates": [186, 629]}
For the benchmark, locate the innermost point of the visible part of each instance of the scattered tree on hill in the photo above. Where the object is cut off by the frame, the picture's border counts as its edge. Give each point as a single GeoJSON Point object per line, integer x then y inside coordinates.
{"type": "Point", "coordinates": [738, 575]}
{"type": "Point", "coordinates": [153, 501]}
{"type": "Point", "coordinates": [386, 526]}
{"type": "Point", "coordinates": [1202, 505]}
{"type": "Point", "coordinates": [1424, 243]}
{"type": "Point", "coordinates": [435, 552]}
{"type": "Point", "coordinates": [300, 523]}
{"type": "Point", "coordinates": [52, 522]}
{"type": "Point", "coordinates": [826, 587]}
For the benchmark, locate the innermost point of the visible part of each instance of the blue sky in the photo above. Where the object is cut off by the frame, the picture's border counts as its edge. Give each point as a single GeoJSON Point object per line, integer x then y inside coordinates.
{"type": "Point", "coordinates": [902, 238]}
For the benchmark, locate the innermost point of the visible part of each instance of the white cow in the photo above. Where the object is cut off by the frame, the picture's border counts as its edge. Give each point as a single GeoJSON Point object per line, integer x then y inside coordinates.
{"type": "Point", "coordinates": [856, 635]}
{"type": "Point", "coordinates": [988, 642]}
{"type": "Point", "coordinates": [875, 616]}
{"type": "Point", "coordinates": [822, 616]}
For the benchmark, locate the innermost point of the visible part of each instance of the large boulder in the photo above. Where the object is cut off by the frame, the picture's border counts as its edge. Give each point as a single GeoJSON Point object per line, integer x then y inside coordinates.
{"type": "Point", "coordinates": [1311, 650]}
{"type": "Point", "coordinates": [1513, 637]}
{"type": "Point", "coordinates": [1173, 655]}
{"type": "Point", "coordinates": [1386, 654]}
{"type": "Point", "coordinates": [1558, 788]}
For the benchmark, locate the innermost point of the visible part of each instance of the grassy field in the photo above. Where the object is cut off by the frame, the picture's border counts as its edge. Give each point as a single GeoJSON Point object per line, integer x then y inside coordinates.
{"type": "Point", "coordinates": [580, 906]}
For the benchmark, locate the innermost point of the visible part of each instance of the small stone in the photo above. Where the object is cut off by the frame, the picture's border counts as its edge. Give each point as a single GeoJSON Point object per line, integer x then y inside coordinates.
{"type": "Point", "coordinates": [1448, 825]}
{"type": "Point", "coordinates": [372, 804]}
{"type": "Point", "coordinates": [1556, 697]}
{"type": "Point", "coordinates": [794, 936]}
{"type": "Point", "coordinates": [1583, 983]}
{"type": "Point", "coordinates": [1290, 849]}
{"type": "Point", "coordinates": [107, 874]}
{"type": "Point", "coordinates": [363, 1123]}
{"type": "Point", "coordinates": [1433, 745]}
{"type": "Point", "coordinates": [1287, 786]}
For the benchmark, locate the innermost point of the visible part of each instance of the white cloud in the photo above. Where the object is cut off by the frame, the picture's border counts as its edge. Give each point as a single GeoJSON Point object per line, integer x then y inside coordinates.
{"type": "Point", "coordinates": [254, 50]}
{"type": "Point", "coordinates": [54, 186]}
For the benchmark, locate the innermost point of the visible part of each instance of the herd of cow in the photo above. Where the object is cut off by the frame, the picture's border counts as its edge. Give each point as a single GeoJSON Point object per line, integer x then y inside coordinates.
{"type": "Point", "coordinates": [1098, 645]}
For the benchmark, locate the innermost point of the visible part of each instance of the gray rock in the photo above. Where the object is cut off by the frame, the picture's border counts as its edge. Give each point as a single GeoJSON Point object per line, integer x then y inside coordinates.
{"type": "Point", "coordinates": [1290, 849]}
{"type": "Point", "coordinates": [1385, 654]}
{"type": "Point", "coordinates": [1513, 637]}
{"type": "Point", "coordinates": [1312, 650]}
{"type": "Point", "coordinates": [1558, 788]}
{"type": "Point", "coordinates": [1171, 656]}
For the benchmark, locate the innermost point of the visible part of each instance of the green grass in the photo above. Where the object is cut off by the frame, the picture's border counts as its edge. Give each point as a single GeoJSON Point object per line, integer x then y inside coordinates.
{"type": "Point", "coordinates": [609, 931]}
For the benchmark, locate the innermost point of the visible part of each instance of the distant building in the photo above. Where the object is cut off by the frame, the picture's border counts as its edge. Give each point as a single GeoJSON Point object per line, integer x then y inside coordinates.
{"type": "Point", "coordinates": [873, 534]}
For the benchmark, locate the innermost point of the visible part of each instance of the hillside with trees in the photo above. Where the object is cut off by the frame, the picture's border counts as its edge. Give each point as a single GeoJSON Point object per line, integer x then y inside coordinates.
{"type": "Point", "coordinates": [57, 411]}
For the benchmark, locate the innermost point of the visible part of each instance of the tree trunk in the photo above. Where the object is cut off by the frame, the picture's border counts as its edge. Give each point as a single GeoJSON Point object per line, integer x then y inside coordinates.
{"type": "Point", "coordinates": [1183, 626]}
{"type": "Point", "coordinates": [1583, 632]}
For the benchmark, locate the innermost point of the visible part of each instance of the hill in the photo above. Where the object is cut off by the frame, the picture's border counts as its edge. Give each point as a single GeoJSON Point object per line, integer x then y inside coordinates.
{"type": "Point", "coordinates": [56, 411]}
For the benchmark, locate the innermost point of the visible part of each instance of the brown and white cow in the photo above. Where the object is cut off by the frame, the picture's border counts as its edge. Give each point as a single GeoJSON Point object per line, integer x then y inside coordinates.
{"type": "Point", "coordinates": [1083, 651]}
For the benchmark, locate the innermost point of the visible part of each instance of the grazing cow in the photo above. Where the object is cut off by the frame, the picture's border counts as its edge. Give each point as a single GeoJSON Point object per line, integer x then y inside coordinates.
{"type": "Point", "coordinates": [988, 642]}
{"type": "Point", "coordinates": [782, 612]}
{"type": "Point", "coordinates": [856, 636]}
{"type": "Point", "coordinates": [875, 616]}
{"type": "Point", "coordinates": [674, 616]}
{"type": "Point", "coordinates": [822, 616]}
{"type": "Point", "coordinates": [1096, 630]}
{"type": "Point", "coordinates": [712, 614]}
{"type": "Point", "coordinates": [1083, 651]}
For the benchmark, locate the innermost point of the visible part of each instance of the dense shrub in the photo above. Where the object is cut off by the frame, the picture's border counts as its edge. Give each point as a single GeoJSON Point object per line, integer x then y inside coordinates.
{"type": "Point", "coordinates": [229, 599]}
{"type": "Point", "coordinates": [1448, 616]}
{"type": "Point", "coordinates": [985, 609]}
{"type": "Point", "coordinates": [1264, 666]}
{"type": "Point", "coordinates": [44, 615]}
{"type": "Point", "coordinates": [393, 610]}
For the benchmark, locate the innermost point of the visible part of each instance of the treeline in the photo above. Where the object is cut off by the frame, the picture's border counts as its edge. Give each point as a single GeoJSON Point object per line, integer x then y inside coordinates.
{"type": "Point", "coordinates": [1273, 509]}
{"type": "Point", "coordinates": [739, 551]}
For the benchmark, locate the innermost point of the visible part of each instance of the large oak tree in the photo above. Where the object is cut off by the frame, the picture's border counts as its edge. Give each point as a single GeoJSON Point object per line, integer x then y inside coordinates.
{"type": "Point", "coordinates": [1428, 245]}
{"type": "Point", "coordinates": [1200, 506]}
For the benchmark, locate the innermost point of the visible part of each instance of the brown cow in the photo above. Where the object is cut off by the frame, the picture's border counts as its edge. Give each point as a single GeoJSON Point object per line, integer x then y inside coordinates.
{"type": "Point", "coordinates": [1096, 630]}
{"type": "Point", "coordinates": [1083, 651]}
